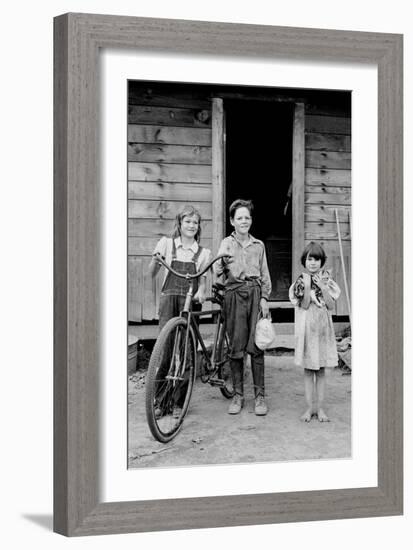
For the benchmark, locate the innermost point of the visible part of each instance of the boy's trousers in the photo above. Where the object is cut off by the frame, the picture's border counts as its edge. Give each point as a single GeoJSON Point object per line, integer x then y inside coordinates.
{"type": "Point", "coordinates": [241, 308]}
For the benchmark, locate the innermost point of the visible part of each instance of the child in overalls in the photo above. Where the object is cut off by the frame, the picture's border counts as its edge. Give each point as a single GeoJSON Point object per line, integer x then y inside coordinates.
{"type": "Point", "coordinates": [314, 294]}
{"type": "Point", "coordinates": [184, 254]}
{"type": "Point", "coordinates": [247, 290]}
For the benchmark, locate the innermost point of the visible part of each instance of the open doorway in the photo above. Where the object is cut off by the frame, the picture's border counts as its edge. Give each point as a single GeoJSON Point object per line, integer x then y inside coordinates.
{"type": "Point", "coordinates": [259, 168]}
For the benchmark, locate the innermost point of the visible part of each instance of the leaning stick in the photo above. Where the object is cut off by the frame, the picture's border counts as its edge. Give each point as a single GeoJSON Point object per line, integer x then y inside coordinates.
{"type": "Point", "coordinates": [343, 264]}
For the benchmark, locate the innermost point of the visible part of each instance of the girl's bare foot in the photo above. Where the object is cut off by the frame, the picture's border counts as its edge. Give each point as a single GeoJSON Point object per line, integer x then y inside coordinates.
{"type": "Point", "coordinates": [322, 417]}
{"type": "Point", "coordinates": [306, 417]}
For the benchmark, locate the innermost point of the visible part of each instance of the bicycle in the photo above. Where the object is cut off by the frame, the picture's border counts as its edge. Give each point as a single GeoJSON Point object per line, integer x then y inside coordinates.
{"type": "Point", "coordinates": [173, 363]}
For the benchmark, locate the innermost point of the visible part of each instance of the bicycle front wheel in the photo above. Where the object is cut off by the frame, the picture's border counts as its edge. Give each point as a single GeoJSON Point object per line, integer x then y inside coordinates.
{"type": "Point", "coordinates": [170, 379]}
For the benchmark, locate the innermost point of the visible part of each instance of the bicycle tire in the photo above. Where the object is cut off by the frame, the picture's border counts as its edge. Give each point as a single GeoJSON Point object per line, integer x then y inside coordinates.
{"type": "Point", "coordinates": [166, 392]}
{"type": "Point", "coordinates": [224, 368]}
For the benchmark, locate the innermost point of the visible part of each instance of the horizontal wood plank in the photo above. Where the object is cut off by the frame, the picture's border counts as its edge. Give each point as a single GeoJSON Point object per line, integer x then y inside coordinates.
{"type": "Point", "coordinates": [135, 287]}
{"type": "Point", "coordinates": [328, 159]}
{"type": "Point", "coordinates": [328, 124]}
{"type": "Point", "coordinates": [320, 213]}
{"type": "Point", "coordinates": [326, 236]}
{"type": "Point", "coordinates": [141, 133]}
{"type": "Point", "coordinates": [328, 142]}
{"type": "Point", "coordinates": [169, 116]}
{"type": "Point", "coordinates": [338, 110]}
{"type": "Point", "coordinates": [167, 96]}
{"type": "Point", "coordinates": [340, 199]}
{"type": "Point", "coordinates": [165, 209]}
{"type": "Point", "coordinates": [327, 226]}
{"type": "Point", "coordinates": [326, 231]}
{"type": "Point", "coordinates": [148, 296]}
{"type": "Point", "coordinates": [184, 173]}
{"type": "Point", "coordinates": [144, 246]}
{"type": "Point", "coordinates": [161, 227]}
{"type": "Point", "coordinates": [328, 189]}
{"type": "Point", "coordinates": [321, 176]}
{"type": "Point", "coordinates": [177, 154]}
{"type": "Point", "coordinates": [141, 246]}
{"type": "Point", "coordinates": [169, 191]}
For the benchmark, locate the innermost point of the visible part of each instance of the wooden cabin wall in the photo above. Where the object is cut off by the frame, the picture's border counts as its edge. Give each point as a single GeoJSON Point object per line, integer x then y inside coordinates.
{"type": "Point", "coordinates": [328, 187]}
{"type": "Point", "coordinates": [169, 165]}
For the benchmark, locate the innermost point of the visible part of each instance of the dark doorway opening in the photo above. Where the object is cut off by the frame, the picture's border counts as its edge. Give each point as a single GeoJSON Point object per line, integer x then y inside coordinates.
{"type": "Point", "coordinates": [259, 168]}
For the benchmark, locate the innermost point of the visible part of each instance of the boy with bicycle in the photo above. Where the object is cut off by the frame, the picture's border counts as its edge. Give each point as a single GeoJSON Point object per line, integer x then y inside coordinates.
{"type": "Point", "coordinates": [247, 290]}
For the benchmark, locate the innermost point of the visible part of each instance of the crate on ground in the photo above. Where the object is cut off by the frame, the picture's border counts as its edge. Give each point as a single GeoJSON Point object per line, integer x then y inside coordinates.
{"type": "Point", "coordinates": [132, 353]}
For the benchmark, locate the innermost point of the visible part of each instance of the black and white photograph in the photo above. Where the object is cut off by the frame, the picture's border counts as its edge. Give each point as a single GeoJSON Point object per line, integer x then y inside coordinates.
{"type": "Point", "coordinates": [239, 274]}
{"type": "Point", "coordinates": [205, 240]}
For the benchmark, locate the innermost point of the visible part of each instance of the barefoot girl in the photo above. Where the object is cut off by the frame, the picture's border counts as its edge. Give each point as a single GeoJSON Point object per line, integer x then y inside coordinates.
{"type": "Point", "coordinates": [184, 254]}
{"type": "Point", "coordinates": [247, 289]}
{"type": "Point", "coordinates": [313, 294]}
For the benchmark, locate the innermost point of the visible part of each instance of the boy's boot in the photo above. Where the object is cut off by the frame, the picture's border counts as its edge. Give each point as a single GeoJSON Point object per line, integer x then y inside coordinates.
{"type": "Point", "coordinates": [237, 373]}
{"type": "Point", "coordinates": [257, 367]}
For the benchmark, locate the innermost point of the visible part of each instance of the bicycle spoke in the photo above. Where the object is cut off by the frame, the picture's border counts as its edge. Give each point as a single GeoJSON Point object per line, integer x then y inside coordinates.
{"type": "Point", "coordinates": [224, 368]}
{"type": "Point", "coordinates": [171, 374]}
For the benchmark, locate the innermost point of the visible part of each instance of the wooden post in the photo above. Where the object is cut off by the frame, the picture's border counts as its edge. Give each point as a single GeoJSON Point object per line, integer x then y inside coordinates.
{"type": "Point", "coordinates": [343, 265]}
{"type": "Point", "coordinates": [298, 187]}
{"type": "Point", "coordinates": [218, 172]}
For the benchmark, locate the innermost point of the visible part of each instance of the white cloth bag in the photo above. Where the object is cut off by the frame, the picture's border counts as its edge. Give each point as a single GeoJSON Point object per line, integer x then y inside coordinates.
{"type": "Point", "coordinates": [264, 334]}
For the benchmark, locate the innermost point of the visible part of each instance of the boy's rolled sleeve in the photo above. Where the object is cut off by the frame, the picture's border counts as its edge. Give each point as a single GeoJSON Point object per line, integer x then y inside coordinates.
{"type": "Point", "coordinates": [265, 278]}
{"type": "Point", "coordinates": [220, 266]}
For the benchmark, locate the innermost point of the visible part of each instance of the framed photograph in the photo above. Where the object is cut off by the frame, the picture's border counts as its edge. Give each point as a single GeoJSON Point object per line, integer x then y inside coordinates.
{"type": "Point", "coordinates": [195, 149]}
{"type": "Point", "coordinates": [160, 123]}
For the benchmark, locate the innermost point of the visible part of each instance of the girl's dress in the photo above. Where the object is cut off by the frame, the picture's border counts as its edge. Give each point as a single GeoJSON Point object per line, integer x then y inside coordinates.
{"type": "Point", "coordinates": [315, 341]}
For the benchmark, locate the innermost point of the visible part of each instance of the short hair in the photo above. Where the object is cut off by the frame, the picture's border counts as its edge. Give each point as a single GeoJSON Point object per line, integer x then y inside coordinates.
{"type": "Point", "coordinates": [240, 203]}
{"type": "Point", "coordinates": [315, 250]}
{"type": "Point", "coordinates": [188, 210]}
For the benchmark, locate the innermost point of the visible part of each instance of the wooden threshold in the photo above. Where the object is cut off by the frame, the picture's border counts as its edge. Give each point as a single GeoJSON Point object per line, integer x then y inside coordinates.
{"type": "Point", "coordinates": [283, 305]}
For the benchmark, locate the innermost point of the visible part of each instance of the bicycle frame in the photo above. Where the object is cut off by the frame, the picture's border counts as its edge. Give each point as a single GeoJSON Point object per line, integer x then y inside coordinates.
{"type": "Point", "coordinates": [190, 315]}
{"type": "Point", "coordinates": [175, 374]}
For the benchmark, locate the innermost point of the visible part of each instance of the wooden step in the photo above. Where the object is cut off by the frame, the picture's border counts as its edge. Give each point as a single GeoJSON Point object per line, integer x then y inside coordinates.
{"type": "Point", "coordinates": [284, 332]}
{"type": "Point", "coordinates": [149, 332]}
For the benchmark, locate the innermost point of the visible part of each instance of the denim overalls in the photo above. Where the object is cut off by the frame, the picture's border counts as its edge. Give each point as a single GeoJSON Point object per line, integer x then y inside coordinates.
{"type": "Point", "coordinates": [174, 289]}
{"type": "Point", "coordinates": [172, 301]}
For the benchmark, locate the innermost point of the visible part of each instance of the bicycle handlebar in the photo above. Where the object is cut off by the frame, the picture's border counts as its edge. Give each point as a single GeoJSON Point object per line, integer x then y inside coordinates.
{"type": "Point", "coordinates": [189, 276]}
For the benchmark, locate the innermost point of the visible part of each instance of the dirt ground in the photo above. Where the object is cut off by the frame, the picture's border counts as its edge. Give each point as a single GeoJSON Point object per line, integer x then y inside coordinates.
{"type": "Point", "coordinates": [211, 436]}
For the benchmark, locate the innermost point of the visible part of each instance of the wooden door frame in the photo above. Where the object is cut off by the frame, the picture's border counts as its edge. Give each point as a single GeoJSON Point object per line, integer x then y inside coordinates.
{"type": "Point", "coordinates": [218, 172]}
{"type": "Point", "coordinates": [298, 194]}
{"type": "Point", "coordinates": [298, 181]}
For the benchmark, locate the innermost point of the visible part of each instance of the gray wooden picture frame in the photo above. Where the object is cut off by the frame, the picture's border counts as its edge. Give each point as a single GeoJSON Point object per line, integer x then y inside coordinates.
{"type": "Point", "coordinates": [78, 509]}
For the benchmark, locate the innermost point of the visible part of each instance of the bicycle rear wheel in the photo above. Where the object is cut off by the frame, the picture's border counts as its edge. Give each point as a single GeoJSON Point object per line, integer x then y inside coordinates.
{"type": "Point", "coordinates": [224, 367]}
{"type": "Point", "coordinates": [170, 379]}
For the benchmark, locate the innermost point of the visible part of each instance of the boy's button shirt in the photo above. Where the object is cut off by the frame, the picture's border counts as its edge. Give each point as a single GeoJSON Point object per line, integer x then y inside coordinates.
{"type": "Point", "coordinates": [249, 260]}
{"type": "Point", "coordinates": [164, 248]}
